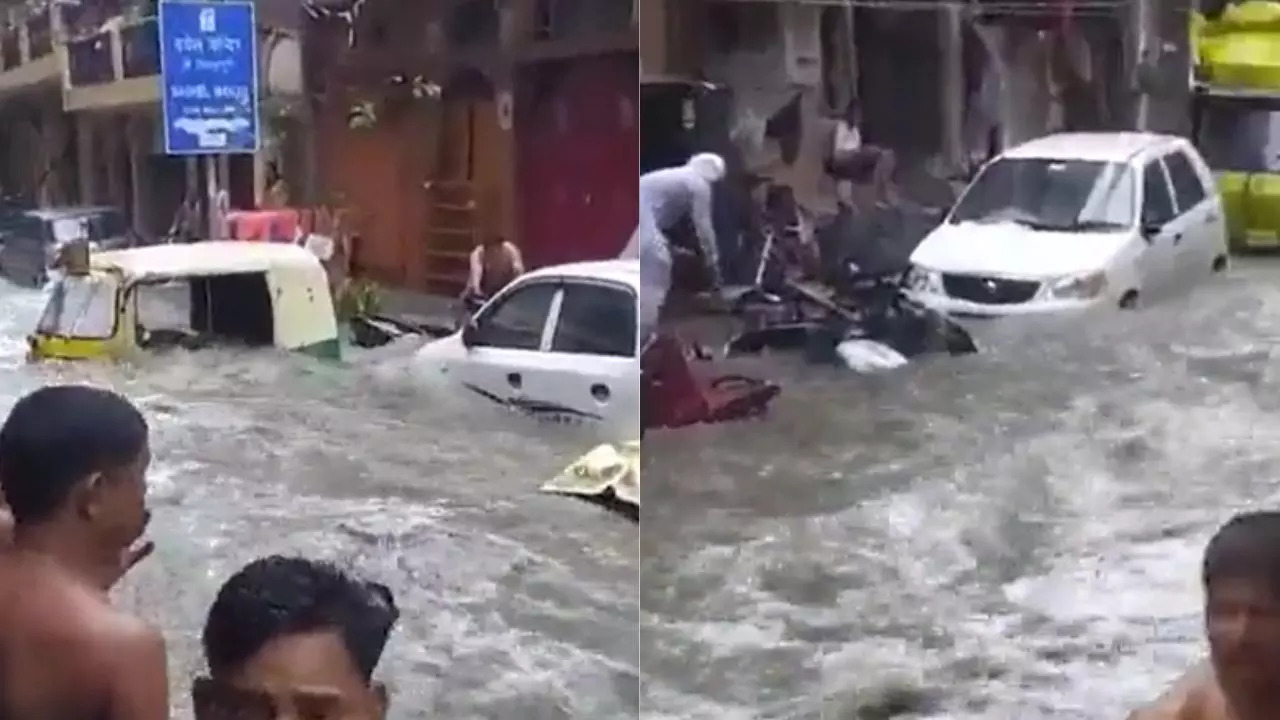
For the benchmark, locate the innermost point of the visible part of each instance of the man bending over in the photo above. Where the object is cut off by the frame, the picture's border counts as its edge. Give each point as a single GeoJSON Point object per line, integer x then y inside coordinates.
{"type": "Point", "coordinates": [669, 197]}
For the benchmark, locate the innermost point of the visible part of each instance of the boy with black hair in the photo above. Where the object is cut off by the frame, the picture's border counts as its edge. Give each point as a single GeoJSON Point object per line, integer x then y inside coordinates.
{"type": "Point", "coordinates": [295, 638]}
{"type": "Point", "coordinates": [1241, 681]}
{"type": "Point", "coordinates": [73, 463]}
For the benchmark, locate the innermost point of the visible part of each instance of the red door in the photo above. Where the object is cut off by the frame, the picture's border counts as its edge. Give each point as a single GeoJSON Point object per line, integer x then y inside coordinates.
{"type": "Point", "coordinates": [578, 159]}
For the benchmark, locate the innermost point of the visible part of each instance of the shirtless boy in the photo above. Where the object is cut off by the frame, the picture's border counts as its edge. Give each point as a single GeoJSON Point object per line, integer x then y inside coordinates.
{"type": "Point", "coordinates": [73, 461]}
{"type": "Point", "coordinates": [1241, 576]}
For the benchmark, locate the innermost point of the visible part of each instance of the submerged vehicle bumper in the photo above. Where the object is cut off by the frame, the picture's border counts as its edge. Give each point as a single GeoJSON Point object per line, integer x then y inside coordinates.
{"type": "Point", "coordinates": [967, 308]}
{"type": "Point", "coordinates": [52, 347]}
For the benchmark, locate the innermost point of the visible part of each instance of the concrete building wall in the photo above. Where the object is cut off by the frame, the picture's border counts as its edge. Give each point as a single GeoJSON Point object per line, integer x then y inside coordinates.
{"type": "Point", "coordinates": [748, 49]}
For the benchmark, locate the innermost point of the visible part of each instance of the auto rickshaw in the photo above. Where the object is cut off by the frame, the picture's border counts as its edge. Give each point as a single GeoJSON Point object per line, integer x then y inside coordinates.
{"type": "Point", "coordinates": [221, 292]}
{"type": "Point", "coordinates": [1236, 116]}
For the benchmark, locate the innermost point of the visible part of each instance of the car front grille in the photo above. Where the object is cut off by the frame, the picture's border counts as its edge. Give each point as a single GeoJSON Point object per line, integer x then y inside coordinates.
{"type": "Point", "coordinates": [989, 290]}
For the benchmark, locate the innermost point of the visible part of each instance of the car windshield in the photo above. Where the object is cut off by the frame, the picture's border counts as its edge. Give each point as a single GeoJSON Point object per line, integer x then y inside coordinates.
{"type": "Point", "coordinates": [1240, 138]}
{"type": "Point", "coordinates": [1050, 195]}
{"type": "Point", "coordinates": [81, 306]}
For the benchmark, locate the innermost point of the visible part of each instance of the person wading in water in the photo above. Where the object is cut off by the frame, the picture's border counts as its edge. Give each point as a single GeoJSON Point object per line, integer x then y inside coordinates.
{"type": "Point", "coordinates": [73, 461]}
{"type": "Point", "coordinates": [1241, 680]}
{"type": "Point", "coordinates": [494, 264]}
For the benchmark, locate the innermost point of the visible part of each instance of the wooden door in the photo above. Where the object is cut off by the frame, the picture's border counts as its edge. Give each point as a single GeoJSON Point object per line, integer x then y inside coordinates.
{"type": "Point", "coordinates": [579, 158]}
{"type": "Point", "coordinates": [363, 173]}
{"type": "Point", "coordinates": [453, 199]}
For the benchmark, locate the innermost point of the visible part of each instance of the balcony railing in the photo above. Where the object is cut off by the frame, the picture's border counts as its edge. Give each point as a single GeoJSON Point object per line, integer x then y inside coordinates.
{"type": "Point", "coordinates": [131, 51]}
{"type": "Point", "coordinates": [140, 49]}
{"type": "Point", "coordinates": [89, 60]}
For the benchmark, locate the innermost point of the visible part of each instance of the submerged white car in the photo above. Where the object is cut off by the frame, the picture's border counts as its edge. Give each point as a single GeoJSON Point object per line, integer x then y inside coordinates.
{"type": "Point", "coordinates": [1075, 221]}
{"type": "Point", "coordinates": [560, 343]}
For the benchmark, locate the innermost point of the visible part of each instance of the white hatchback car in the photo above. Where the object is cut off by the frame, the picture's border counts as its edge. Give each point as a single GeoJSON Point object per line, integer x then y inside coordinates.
{"type": "Point", "coordinates": [1074, 221]}
{"type": "Point", "coordinates": [560, 343]}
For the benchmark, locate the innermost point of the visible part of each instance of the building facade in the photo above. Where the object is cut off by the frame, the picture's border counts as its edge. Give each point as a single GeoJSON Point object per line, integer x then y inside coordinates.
{"type": "Point", "coordinates": [941, 84]}
{"type": "Point", "coordinates": [80, 93]}
{"type": "Point", "coordinates": [444, 122]}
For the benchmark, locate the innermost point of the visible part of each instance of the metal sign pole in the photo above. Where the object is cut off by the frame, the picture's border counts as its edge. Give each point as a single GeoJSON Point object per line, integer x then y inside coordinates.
{"type": "Point", "coordinates": [210, 77]}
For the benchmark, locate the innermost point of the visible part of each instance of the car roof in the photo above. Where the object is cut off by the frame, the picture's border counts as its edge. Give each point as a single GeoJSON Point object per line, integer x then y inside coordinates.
{"type": "Point", "coordinates": [213, 257]}
{"type": "Point", "coordinates": [1091, 146]}
{"type": "Point", "coordinates": [626, 272]}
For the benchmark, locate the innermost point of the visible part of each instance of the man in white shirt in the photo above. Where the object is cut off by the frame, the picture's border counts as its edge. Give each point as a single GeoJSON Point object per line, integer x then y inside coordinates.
{"type": "Point", "coordinates": [854, 160]}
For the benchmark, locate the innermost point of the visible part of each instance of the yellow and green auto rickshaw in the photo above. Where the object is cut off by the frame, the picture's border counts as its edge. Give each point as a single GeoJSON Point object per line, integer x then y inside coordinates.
{"type": "Point", "coordinates": [608, 475]}
{"type": "Point", "coordinates": [119, 303]}
{"type": "Point", "coordinates": [1236, 116]}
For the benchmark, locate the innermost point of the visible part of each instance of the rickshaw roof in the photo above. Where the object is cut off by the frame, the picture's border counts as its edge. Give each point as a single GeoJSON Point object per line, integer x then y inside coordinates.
{"type": "Point", "coordinates": [215, 257]}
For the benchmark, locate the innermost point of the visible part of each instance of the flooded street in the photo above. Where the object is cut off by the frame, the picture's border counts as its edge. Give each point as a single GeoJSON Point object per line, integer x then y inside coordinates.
{"type": "Point", "coordinates": [1012, 535]}
{"type": "Point", "coordinates": [514, 604]}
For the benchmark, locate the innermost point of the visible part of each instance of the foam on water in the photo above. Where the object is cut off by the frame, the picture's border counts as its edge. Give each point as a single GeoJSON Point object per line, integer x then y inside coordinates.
{"type": "Point", "coordinates": [515, 604]}
{"type": "Point", "coordinates": [1015, 535]}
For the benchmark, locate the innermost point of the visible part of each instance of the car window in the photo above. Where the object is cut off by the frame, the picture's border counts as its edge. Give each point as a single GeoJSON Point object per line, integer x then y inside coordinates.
{"type": "Point", "coordinates": [1157, 203]}
{"type": "Point", "coordinates": [517, 319]}
{"type": "Point", "coordinates": [29, 228]}
{"type": "Point", "coordinates": [1187, 188]}
{"type": "Point", "coordinates": [596, 319]}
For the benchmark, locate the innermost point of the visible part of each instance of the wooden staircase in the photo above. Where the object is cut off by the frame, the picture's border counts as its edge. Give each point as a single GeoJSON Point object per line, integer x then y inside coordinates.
{"type": "Point", "coordinates": [454, 228]}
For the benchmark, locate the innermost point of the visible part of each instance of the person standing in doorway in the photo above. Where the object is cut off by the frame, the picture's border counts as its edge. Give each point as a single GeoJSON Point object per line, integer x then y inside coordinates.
{"type": "Point", "coordinates": [188, 220]}
{"type": "Point", "coordinates": [855, 160]}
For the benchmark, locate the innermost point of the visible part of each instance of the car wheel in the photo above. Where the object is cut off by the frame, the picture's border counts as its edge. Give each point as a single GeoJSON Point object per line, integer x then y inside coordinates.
{"type": "Point", "coordinates": [1129, 300]}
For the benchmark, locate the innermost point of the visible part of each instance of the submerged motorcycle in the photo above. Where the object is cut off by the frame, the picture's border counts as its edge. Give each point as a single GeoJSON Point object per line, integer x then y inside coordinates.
{"type": "Point", "coordinates": [866, 322]}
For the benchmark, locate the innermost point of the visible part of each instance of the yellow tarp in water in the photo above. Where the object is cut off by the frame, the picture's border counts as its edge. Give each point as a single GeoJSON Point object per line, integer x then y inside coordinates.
{"type": "Point", "coordinates": [605, 469]}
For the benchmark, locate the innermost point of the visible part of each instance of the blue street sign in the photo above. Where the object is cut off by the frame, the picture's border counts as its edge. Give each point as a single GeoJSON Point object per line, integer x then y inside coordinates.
{"type": "Point", "coordinates": [209, 76]}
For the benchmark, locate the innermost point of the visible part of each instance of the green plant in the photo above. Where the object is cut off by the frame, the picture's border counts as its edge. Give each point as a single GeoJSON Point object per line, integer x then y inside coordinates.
{"type": "Point", "coordinates": [357, 298]}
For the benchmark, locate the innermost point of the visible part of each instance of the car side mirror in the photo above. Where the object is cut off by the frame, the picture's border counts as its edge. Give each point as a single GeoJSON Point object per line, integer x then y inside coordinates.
{"type": "Point", "coordinates": [469, 331]}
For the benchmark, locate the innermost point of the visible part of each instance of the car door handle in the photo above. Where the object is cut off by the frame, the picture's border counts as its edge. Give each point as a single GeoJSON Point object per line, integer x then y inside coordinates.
{"type": "Point", "coordinates": [514, 380]}
{"type": "Point", "coordinates": [1177, 238]}
{"type": "Point", "coordinates": [1211, 218]}
{"type": "Point", "coordinates": [600, 392]}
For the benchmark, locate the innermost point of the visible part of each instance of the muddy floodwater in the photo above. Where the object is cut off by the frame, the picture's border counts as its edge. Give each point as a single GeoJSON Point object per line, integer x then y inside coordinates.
{"type": "Point", "coordinates": [1010, 536]}
{"type": "Point", "coordinates": [515, 604]}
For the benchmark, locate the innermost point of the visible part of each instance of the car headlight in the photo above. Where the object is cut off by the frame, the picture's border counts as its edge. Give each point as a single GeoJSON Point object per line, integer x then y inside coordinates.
{"type": "Point", "coordinates": [923, 280]}
{"type": "Point", "coordinates": [1079, 287]}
